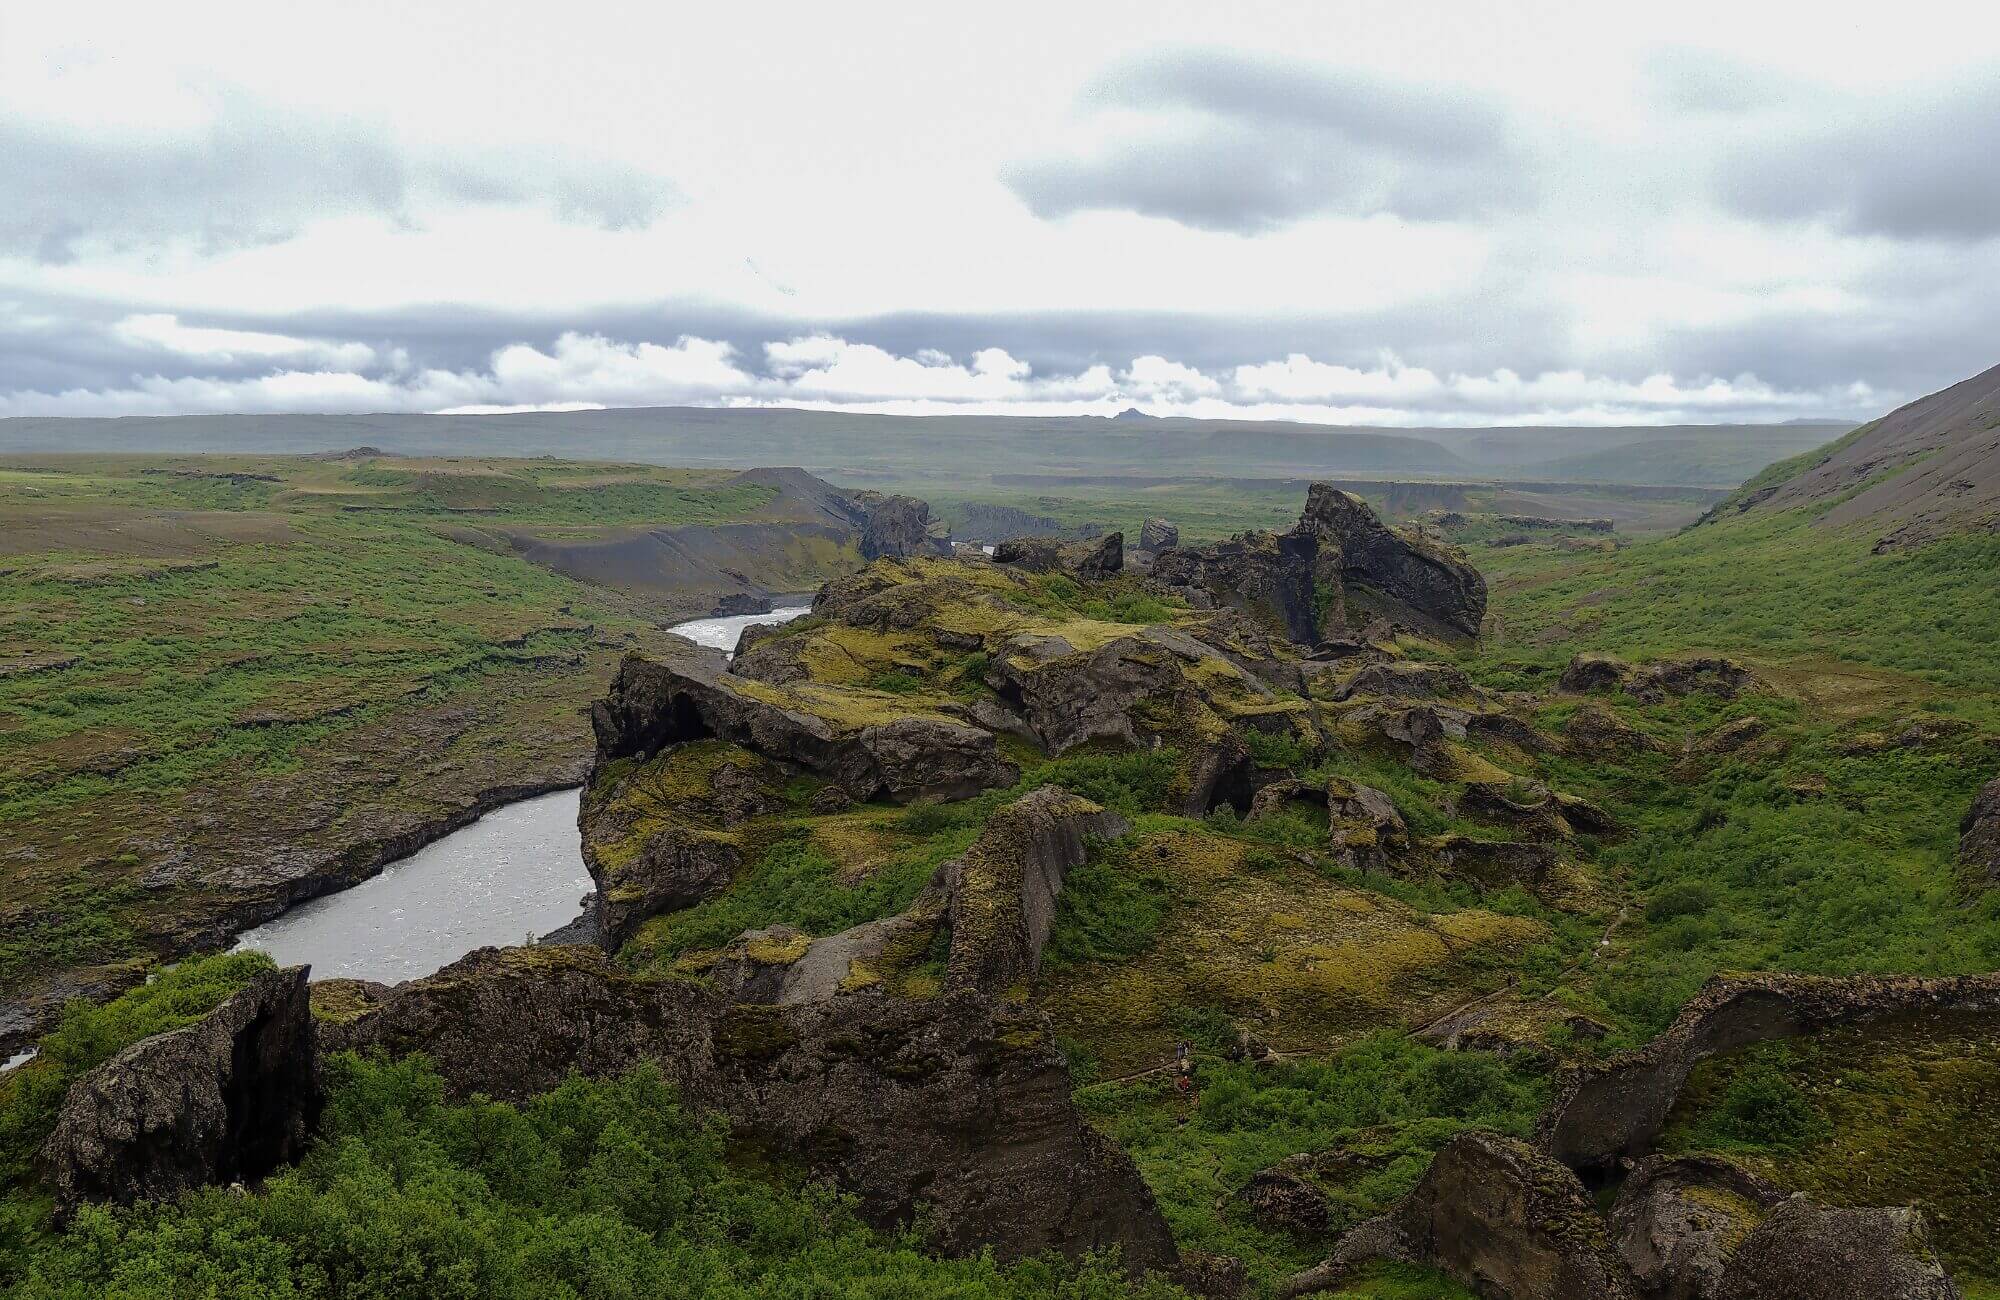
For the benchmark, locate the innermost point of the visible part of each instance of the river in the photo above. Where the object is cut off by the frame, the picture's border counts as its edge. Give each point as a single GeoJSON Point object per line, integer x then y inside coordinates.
{"type": "Point", "coordinates": [514, 874]}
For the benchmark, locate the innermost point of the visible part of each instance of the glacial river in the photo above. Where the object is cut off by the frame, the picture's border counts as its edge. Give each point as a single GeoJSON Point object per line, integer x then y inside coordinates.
{"type": "Point", "coordinates": [515, 873]}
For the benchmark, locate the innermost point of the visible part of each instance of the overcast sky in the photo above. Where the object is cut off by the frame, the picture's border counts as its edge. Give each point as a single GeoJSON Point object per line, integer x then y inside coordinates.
{"type": "Point", "coordinates": [1395, 213]}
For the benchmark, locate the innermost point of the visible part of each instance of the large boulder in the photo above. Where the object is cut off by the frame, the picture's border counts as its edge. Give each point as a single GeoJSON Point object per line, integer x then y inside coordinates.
{"type": "Point", "coordinates": [1806, 1251]}
{"type": "Point", "coordinates": [1337, 569]}
{"type": "Point", "coordinates": [892, 527]}
{"type": "Point", "coordinates": [1156, 535]}
{"type": "Point", "coordinates": [957, 1106]}
{"type": "Point", "coordinates": [1677, 1222]}
{"type": "Point", "coordinates": [226, 1099]}
{"type": "Point", "coordinates": [1497, 1216]}
{"type": "Point", "coordinates": [1979, 836]}
{"type": "Point", "coordinates": [1103, 559]}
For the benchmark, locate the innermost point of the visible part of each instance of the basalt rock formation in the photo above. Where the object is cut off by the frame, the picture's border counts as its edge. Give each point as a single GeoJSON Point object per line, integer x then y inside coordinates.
{"type": "Point", "coordinates": [1156, 535]}
{"type": "Point", "coordinates": [1709, 674]}
{"type": "Point", "coordinates": [958, 1103]}
{"type": "Point", "coordinates": [653, 704]}
{"type": "Point", "coordinates": [224, 1100]}
{"type": "Point", "coordinates": [1806, 1251]}
{"type": "Point", "coordinates": [1605, 1112]}
{"type": "Point", "coordinates": [1979, 836]}
{"type": "Point", "coordinates": [1497, 1216]}
{"type": "Point", "coordinates": [1335, 570]}
{"type": "Point", "coordinates": [1677, 1222]}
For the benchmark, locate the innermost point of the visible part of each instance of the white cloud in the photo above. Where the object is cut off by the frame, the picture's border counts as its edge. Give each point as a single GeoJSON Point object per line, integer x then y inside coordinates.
{"type": "Point", "coordinates": [163, 331]}
{"type": "Point", "coordinates": [587, 371]}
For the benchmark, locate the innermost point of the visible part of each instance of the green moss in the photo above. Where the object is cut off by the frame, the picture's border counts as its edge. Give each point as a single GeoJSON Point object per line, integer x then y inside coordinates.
{"type": "Point", "coordinates": [754, 1033]}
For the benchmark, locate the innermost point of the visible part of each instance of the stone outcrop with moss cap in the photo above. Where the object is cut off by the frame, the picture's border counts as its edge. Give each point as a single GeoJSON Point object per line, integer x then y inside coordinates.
{"type": "Point", "coordinates": [864, 742]}
{"type": "Point", "coordinates": [228, 1098]}
{"type": "Point", "coordinates": [1979, 836]}
{"type": "Point", "coordinates": [1337, 569]}
{"type": "Point", "coordinates": [1003, 890]}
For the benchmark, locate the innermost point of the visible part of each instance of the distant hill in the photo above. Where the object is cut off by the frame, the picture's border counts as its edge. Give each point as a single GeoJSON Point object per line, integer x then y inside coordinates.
{"type": "Point", "coordinates": [913, 450]}
{"type": "Point", "coordinates": [1922, 470]}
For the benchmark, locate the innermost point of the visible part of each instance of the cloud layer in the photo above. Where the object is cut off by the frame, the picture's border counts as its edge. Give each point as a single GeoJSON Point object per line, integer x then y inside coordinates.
{"type": "Point", "coordinates": [589, 370]}
{"type": "Point", "coordinates": [1387, 215]}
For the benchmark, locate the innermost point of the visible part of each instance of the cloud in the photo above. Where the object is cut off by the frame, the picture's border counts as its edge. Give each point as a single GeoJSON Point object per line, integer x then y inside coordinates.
{"type": "Point", "coordinates": [580, 371]}
{"type": "Point", "coordinates": [1227, 141]}
{"type": "Point", "coordinates": [254, 174]}
{"type": "Point", "coordinates": [164, 332]}
{"type": "Point", "coordinates": [1915, 165]}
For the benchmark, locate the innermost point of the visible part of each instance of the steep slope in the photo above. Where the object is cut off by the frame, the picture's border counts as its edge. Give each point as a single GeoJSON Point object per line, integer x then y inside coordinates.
{"type": "Point", "coordinates": [1925, 469]}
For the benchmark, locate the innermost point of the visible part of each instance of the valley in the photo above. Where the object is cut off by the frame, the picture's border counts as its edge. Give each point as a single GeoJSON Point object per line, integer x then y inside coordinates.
{"type": "Point", "coordinates": [1414, 818]}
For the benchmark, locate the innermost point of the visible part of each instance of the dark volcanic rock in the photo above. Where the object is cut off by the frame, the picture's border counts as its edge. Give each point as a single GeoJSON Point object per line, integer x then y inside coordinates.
{"type": "Point", "coordinates": [655, 703]}
{"type": "Point", "coordinates": [1806, 1251]}
{"type": "Point", "coordinates": [893, 527]}
{"type": "Point", "coordinates": [1035, 554]}
{"type": "Point", "coordinates": [1282, 1199]}
{"type": "Point", "coordinates": [1406, 681]}
{"type": "Point", "coordinates": [1614, 1109]}
{"type": "Point", "coordinates": [1709, 674]}
{"type": "Point", "coordinates": [227, 1099]}
{"type": "Point", "coordinates": [1677, 1222]}
{"type": "Point", "coordinates": [1499, 1217]}
{"type": "Point", "coordinates": [677, 868]}
{"type": "Point", "coordinates": [957, 1103]}
{"type": "Point", "coordinates": [739, 603]}
{"type": "Point", "coordinates": [1156, 535]}
{"type": "Point", "coordinates": [1589, 671]}
{"type": "Point", "coordinates": [1102, 560]}
{"type": "Point", "coordinates": [1333, 571]}
{"type": "Point", "coordinates": [1979, 835]}
{"type": "Point", "coordinates": [1003, 891]}
{"type": "Point", "coordinates": [1594, 731]}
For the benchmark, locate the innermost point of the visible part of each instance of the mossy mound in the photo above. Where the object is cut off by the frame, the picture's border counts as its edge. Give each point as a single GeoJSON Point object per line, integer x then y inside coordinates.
{"type": "Point", "coordinates": [1894, 1114]}
{"type": "Point", "coordinates": [1307, 962]}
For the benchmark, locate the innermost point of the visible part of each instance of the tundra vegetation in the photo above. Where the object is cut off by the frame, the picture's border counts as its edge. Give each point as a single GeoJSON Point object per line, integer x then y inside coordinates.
{"type": "Point", "coordinates": [1556, 873]}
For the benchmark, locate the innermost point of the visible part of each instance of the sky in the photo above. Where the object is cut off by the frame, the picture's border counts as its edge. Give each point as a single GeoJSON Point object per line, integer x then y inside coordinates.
{"type": "Point", "coordinates": [1353, 213]}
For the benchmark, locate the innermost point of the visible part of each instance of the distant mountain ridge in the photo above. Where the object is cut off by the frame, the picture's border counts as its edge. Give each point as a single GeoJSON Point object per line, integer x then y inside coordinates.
{"type": "Point", "coordinates": [860, 447]}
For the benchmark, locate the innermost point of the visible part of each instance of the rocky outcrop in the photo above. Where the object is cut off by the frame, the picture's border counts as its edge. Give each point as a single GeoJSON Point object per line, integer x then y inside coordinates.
{"type": "Point", "coordinates": [1156, 535]}
{"type": "Point", "coordinates": [957, 1103]}
{"type": "Point", "coordinates": [656, 703]}
{"type": "Point", "coordinates": [1594, 731]}
{"type": "Point", "coordinates": [1124, 691]}
{"type": "Point", "coordinates": [1340, 566]}
{"type": "Point", "coordinates": [738, 603]}
{"type": "Point", "coordinates": [895, 526]}
{"type": "Point", "coordinates": [1282, 1199]}
{"type": "Point", "coordinates": [1398, 680]}
{"type": "Point", "coordinates": [1806, 1251]}
{"type": "Point", "coordinates": [1035, 554]}
{"type": "Point", "coordinates": [1708, 674]}
{"type": "Point", "coordinates": [1979, 836]}
{"type": "Point", "coordinates": [1363, 824]}
{"type": "Point", "coordinates": [1103, 559]}
{"type": "Point", "coordinates": [226, 1099]}
{"type": "Point", "coordinates": [995, 904]}
{"type": "Point", "coordinates": [1003, 891]}
{"type": "Point", "coordinates": [1497, 1216]}
{"type": "Point", "coordinates": [676, 868]}
{"type": "Point", "coordinates": [1677, 1222]}
{"type": "Point", "coordinates": [1608, 1111]}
